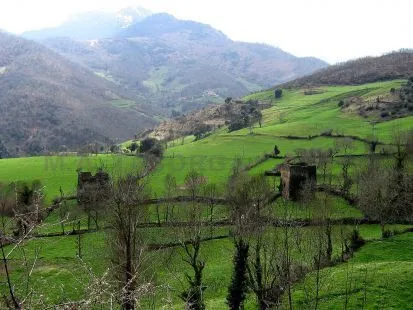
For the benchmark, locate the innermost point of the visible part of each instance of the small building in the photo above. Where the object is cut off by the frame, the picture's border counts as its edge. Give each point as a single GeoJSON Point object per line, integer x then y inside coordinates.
{"type": "Point", "coordinates": [293, 177]}
{"type": "Point", "coordinates": [92, 187]}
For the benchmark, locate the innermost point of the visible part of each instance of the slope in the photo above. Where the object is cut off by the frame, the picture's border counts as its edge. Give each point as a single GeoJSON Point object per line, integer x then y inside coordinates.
{"type": "Point", "coordinates": [363, 283]}
{"type": "Point", "coordinates": [396, 65]}
{"type": "Point", "coordinates": [49, 103]}
{"type": "Point", "coordinates": [296, 121]}
{"type": "Point", "coordinates": [295, 114]}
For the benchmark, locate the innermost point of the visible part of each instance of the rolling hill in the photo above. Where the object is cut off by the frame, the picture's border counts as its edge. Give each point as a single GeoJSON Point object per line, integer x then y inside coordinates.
{"type": "Point", "coordinates": [293, 122]}
{"type": "Point", "coordinates": [396, 65]}
{"type": "Point", "coordinates": [183, 65]}
{"type": "Point", "coordinates": [49, 103]}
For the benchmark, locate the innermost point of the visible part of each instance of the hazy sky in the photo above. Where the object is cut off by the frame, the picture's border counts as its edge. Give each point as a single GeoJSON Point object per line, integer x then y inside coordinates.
{"type": "Point", "coordinates": [334, 30]}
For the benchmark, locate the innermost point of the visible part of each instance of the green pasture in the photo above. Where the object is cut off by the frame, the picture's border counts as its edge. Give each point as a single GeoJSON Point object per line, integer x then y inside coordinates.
{"type": "Point", "coordinates": [63, 275]}
{"type": "Point", "coordinates": [303, 115]}
{"type": "Point", "coordinates": [379, 276]}
{"type": "Point", "coordinates": [57, 172]}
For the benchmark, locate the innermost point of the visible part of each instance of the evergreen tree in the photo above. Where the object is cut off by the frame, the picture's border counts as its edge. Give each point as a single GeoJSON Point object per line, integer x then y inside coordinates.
{"type": "Point", "coordinates": [276, 150]}
{"type": "Point", "coordinates": [238, 288]}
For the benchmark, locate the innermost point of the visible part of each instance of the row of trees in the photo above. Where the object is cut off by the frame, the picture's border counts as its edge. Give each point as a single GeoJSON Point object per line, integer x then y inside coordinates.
{"type": "Point", "coordinates": [385, 190]}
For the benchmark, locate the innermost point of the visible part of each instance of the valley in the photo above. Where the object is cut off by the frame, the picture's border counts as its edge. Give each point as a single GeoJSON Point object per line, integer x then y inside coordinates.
{"type": "Point", "coordinates": [298, 124]}
{"type": "Point", "coordinates": [177, 157]}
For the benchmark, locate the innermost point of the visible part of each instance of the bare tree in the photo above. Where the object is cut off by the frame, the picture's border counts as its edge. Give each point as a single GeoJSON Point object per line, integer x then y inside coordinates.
{"type": "Point", "coordinates": [63, 211]}
{"type": "Point", "coordinates": [190, 238]}
{"type": "Point", "coordinates": [372, 195]}
{"type": "Point", "coordinates": [194, 182]}
{"type": "Point", "coordinates": [248, 197]}
{"type": "Point", "coordinates": [28, 199]}
{"type": "Point", "coordinates": [211, 193]}
{"type": "Point", "coordinates": [324, 163]}
{"type": "Point", "coordinates": [127, 242]}
{"type": "Point", "coordinates": [169, 192]}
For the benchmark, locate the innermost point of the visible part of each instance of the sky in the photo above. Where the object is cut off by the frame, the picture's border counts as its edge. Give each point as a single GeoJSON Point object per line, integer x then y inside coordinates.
{"type": "Point", "coordinates": [333, 30]}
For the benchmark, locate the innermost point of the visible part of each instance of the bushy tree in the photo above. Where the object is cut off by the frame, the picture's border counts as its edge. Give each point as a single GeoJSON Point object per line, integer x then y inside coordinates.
{"type": "Point", "coordinates": [151, 146]}
{"type": "Point", "coordinates": [247, 117]}
{"type": "Point", "coordinates": [114, 148]}
{"type": "Point", "coordinates": [278, 93]}
{"type": "Point", "coordinates": [201, 131]}
{"type": "Point", "coordinates": [147, 144]}
{"type": "Point", "coordinates": [133, 147]}
{"type": "Point", "coordinates": [236, 124]}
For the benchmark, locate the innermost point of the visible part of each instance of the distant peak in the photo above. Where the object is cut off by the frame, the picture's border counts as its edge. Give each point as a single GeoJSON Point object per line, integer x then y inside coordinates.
{"type": "Point", "coordinates": [163, 24]}
{"type": "Point", "coordinates": [137, 11]}
{"type": "Point", "coordinates": [130, 15]}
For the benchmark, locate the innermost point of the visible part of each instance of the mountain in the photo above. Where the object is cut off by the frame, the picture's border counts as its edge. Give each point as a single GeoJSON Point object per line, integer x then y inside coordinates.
{"type": "Point", "coordinates": [183, 65]}
{"type": "Point", "coordinates": [92, 25]}
{"type": "Point", "coordinates": [395, 65]}
{"type": "Point", "coordinates": [49, 103]}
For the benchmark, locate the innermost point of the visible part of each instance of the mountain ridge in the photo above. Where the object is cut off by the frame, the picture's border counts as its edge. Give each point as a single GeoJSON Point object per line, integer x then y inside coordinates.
{"type": "Point", "coordinates": [390, 66]}
{"type": "Point", "coordinates": [180, 65]}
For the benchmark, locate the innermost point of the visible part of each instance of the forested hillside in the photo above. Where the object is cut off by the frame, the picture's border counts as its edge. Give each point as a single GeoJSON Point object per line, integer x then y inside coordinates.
{"type": "Point", "coordinates": [396, 65]}
{"type": "Point", "coordinates": [49, 103]}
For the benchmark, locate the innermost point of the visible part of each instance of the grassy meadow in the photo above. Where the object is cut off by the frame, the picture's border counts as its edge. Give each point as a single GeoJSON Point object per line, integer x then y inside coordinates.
{"type": "Point", "coordinates": [378, 276]}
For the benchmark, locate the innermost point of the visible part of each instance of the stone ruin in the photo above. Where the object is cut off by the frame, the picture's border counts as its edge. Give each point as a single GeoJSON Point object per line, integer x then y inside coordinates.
{"type": "Point", "coordinates": [293, 177]}
{"type": "Point", "coordinates": [92, 187]}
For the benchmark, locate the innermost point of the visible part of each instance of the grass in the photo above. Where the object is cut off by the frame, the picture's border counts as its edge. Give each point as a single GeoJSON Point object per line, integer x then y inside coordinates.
{"type": "Point", "coordinates": [156, 79]}
{"type": "Point", "coordinates": [338, 209]}
{"type": "Point", "coordinates": [59, 270]}
{"type": "Point", "coordinates": [310, 115]}
{"type": "Point", "coordinates": [60, 171]}
{"type": "Point", "coordinates": [123, 103]}
{"type": "Point", "coordinates": [379, 276]}
{"type": "Point", "coordinates": [387, 264]}
{"type": "Point", "coordinates": [63, 275]}
{"type": "Point", "coordinates": [106, 77]}
{"type": "Point", "coordinates": [214, 155]}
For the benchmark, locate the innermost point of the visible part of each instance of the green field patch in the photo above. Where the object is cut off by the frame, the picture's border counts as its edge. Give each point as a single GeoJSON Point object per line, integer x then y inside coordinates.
{"type": "Point", "coordinates": [58, 268]}
{"type": "Point", "coordinates": [303, 115]}
{"type": "Point", "coordinates": [123, 103]}
{"type": "Point", "coordinates": [106, 76]}
{"type": "Point", "coordinates": [338, 208]}
{"type": "Point", "coordinates": [379, 276]}
{"type": "Point", "coordinates": [60, 171]}
{"type": "Point", "coordinates": [157, 77]}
